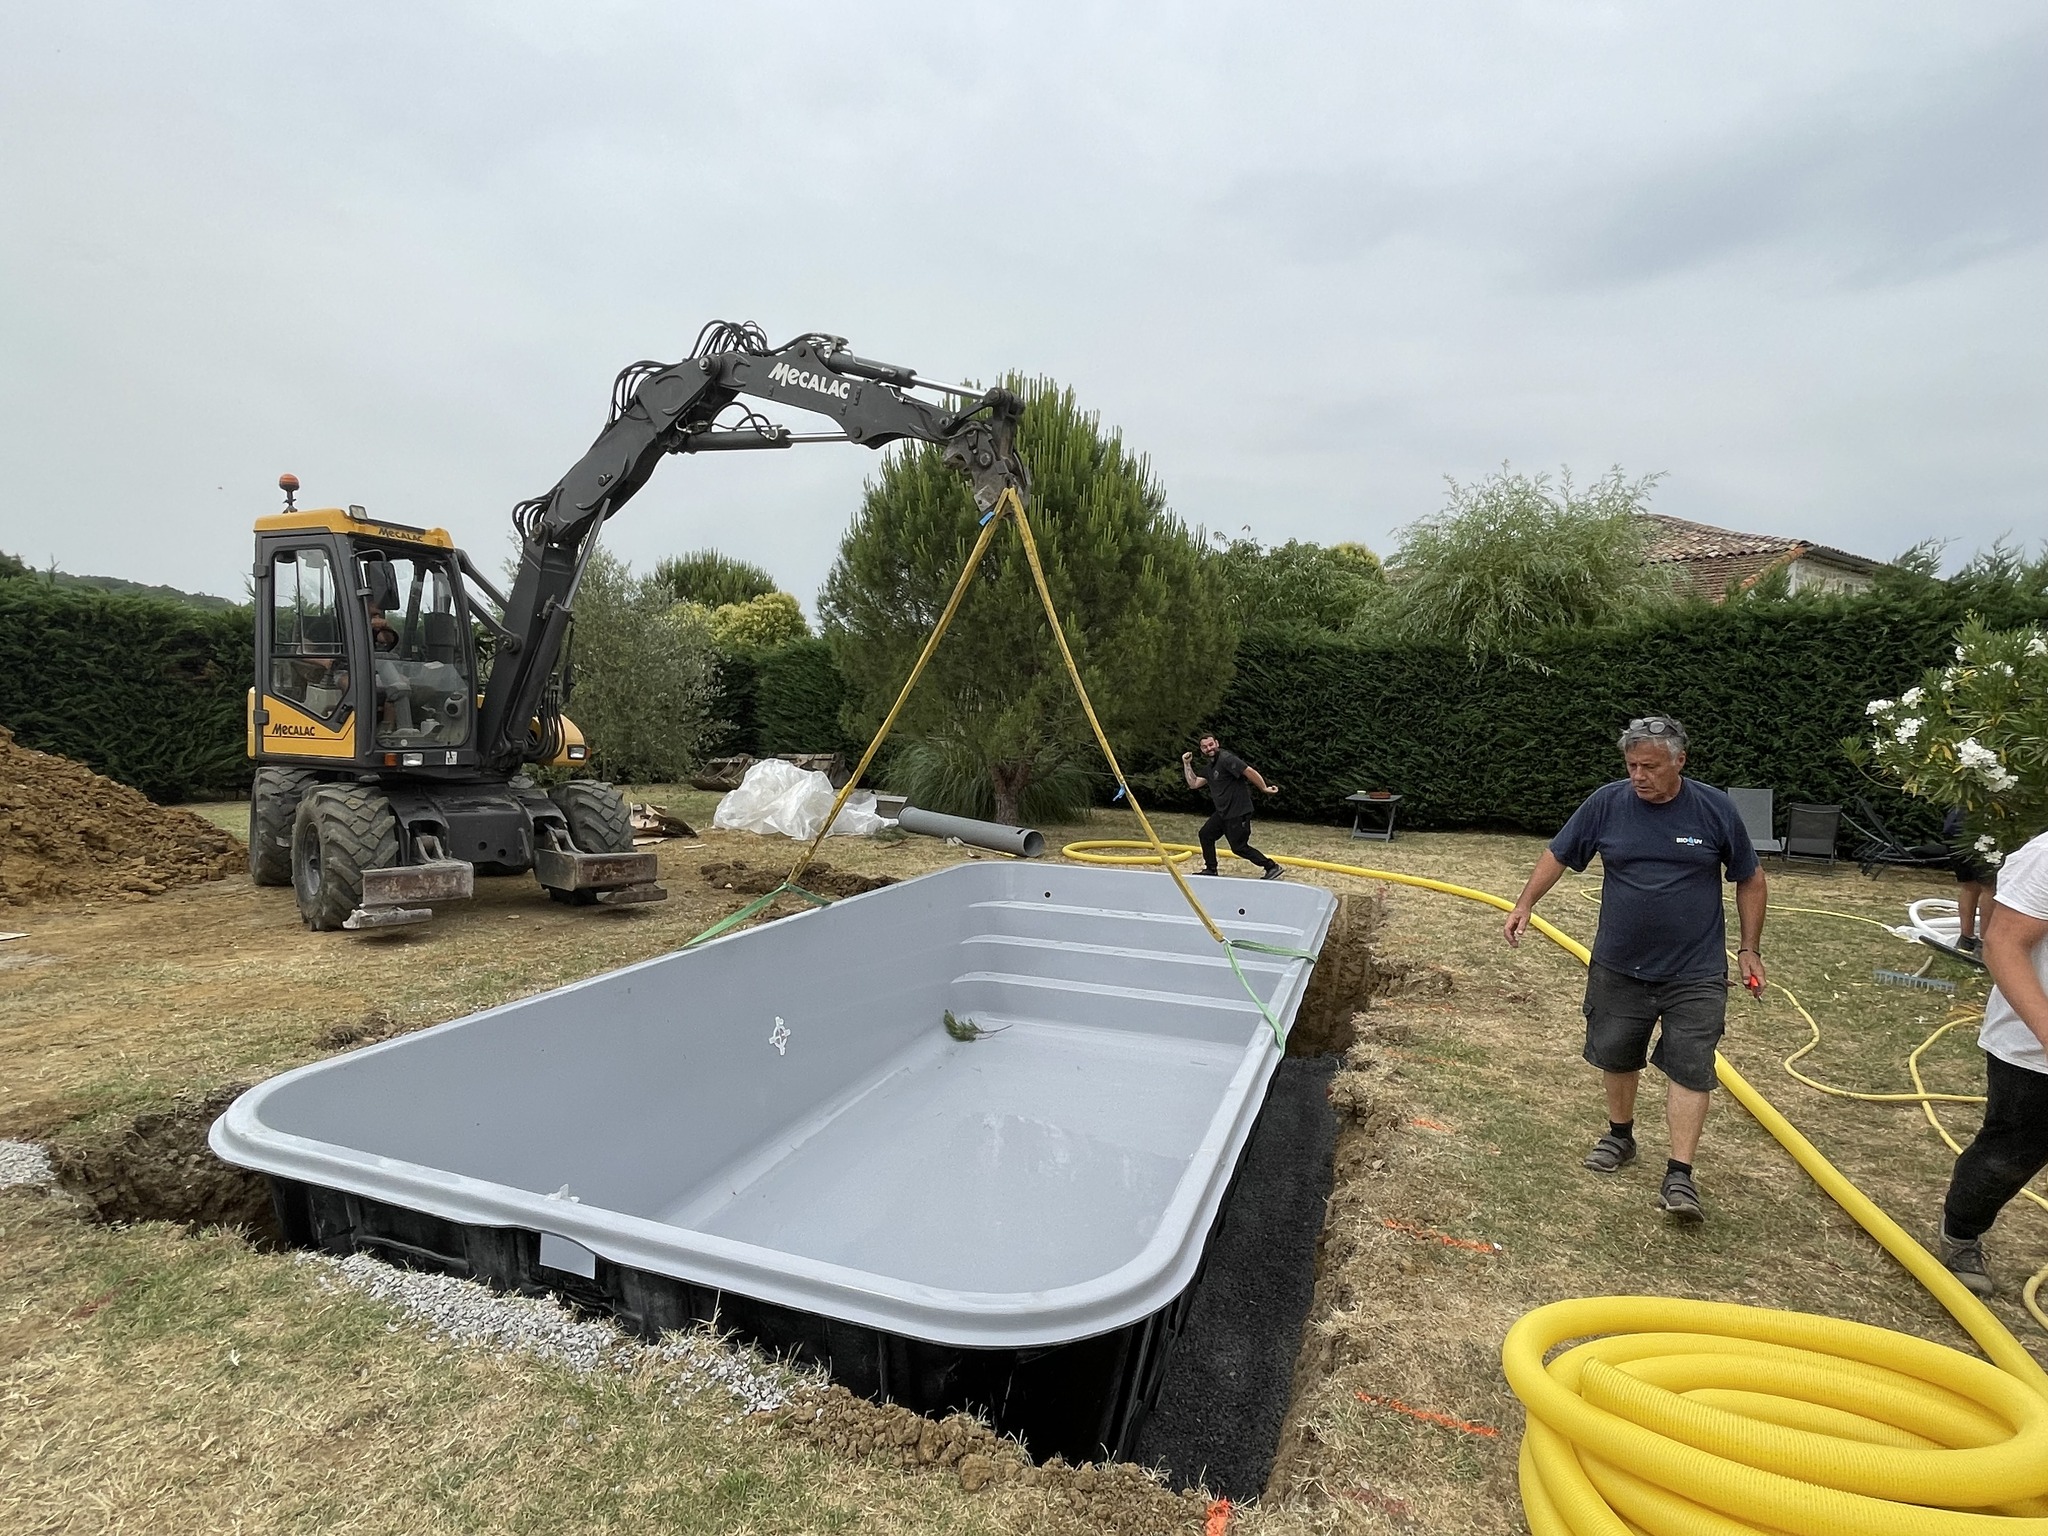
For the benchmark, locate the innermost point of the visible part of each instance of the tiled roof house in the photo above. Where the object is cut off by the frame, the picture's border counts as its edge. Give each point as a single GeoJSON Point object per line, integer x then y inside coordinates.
{"type": "Point", "coordinates": [1716, 561]}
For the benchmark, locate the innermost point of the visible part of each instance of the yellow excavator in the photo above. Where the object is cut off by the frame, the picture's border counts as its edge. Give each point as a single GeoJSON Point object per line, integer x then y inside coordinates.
{"type": "Point", "coordinates": [400, 698]}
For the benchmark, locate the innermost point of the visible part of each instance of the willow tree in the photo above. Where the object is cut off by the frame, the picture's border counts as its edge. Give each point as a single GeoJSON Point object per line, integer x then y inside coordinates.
{"type": "Point", "coordinates": [994, 727]}
{"type": "Point", "coordinates": [1512, 555]}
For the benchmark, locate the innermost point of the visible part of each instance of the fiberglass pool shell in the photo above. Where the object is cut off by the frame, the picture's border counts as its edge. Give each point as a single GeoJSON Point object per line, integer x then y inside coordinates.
{"type": "Point", "coordinates": [782, 1115]}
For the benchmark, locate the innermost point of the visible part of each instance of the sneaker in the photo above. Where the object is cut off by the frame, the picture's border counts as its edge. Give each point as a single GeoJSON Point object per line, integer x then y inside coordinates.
{"type": "Point", "coordinates": [1274, 872]}
{"type": "Point", "coordinates": [1201, 871]}
{"type": "Point", "coordinates": [1611, 1152]}
{"type": "Point", "coordinates": [1679, 1200]}
{"type": "Point", "coordinates": [1965, 1260]}
{"type": "Point", "coordinates": [1970, 946]}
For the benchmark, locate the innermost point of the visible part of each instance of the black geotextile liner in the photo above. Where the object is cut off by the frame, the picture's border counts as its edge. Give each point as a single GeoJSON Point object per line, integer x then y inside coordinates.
{"type": "Point", "coordinates": [1217, 1419]}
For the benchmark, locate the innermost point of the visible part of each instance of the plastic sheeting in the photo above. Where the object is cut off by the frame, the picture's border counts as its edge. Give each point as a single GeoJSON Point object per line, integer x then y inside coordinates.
{"type": "Point", "coordinates": [780, 798]}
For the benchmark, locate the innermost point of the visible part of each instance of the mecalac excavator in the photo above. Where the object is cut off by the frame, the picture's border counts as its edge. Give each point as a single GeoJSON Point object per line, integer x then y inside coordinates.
{"type": "Point", "coordinates": [395, 713]}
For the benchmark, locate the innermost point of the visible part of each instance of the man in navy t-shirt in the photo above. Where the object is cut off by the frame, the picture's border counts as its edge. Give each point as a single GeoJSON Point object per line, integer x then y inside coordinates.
{"type": "Point", "coordinates": [1664, 841]}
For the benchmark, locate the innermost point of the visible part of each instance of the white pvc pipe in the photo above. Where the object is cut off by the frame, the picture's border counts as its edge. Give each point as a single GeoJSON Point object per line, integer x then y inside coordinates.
{"type": "Point", "coordinates": [1023, 842]}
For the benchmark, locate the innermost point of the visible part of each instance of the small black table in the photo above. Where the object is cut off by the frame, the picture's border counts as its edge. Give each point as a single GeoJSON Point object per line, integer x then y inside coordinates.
{"type": "Point", "coordinates": [1361, 803]}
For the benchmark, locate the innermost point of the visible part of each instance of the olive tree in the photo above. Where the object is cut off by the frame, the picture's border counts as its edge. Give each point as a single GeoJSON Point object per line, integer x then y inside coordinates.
{"type": "Point", "coordinates": [994, 728]}
{"type": "Point", "coordinates": [1336, 587]}
{"type": "Point", "coordinates": [642, 670]}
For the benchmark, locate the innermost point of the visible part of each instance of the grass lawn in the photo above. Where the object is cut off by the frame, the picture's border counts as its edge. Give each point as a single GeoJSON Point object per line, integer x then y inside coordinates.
{"type": "Point", "coordinates": [160, 1381]}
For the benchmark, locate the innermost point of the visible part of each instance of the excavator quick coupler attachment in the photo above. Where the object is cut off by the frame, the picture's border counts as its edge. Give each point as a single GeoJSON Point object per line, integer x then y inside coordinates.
{"type": "Point", "coordinates": [397, 896]}
{"type": "Point", "coordinates": [614, 879]}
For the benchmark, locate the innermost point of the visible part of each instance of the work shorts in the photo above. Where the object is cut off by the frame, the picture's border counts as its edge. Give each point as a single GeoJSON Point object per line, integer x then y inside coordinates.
{"type": "Point", "coordinates": [1623, 1011]}
{"type": "Point", "coordinates": [1970, 869]}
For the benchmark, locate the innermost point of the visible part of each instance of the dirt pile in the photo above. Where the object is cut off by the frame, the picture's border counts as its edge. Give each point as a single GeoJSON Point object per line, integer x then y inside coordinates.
{"type": "Point", "coordinates": [67, 832]}
{"type": "Point", "coordinates": [745, 879]}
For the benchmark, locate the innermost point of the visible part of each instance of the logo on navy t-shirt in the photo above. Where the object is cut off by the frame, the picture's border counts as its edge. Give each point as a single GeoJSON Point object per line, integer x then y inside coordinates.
{"type": "Point", "coordinates": [1691, 842]}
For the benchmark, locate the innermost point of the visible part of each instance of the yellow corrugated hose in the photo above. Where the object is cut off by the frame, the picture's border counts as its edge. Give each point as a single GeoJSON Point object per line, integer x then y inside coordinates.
{"type": "Point", "coordinates": [1693, 1418]}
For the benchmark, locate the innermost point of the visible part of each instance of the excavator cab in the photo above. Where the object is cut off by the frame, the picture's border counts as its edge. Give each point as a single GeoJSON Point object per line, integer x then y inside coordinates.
{"type": "Point", "coordinates": [367, 655]}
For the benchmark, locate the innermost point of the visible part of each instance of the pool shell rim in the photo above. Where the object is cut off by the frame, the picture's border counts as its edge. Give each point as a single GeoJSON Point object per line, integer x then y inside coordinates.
{"type": "Point", "coordinates": [1128, 1293]}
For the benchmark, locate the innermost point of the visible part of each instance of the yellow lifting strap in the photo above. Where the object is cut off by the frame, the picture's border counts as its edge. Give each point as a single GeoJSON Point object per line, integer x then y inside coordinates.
{"type": "Point", "coordinates": [1011, 505]}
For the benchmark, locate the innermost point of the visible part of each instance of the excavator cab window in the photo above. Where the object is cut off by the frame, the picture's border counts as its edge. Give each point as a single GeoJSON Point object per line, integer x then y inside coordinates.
{"type": "Point", "coordinates": [424, 680]}
{"type": "Point", "coordinates": [308, 649]}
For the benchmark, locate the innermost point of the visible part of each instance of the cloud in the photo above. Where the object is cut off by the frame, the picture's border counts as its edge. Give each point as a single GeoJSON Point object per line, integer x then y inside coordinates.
{"type": "Point", "coordinates": [1878, 184]}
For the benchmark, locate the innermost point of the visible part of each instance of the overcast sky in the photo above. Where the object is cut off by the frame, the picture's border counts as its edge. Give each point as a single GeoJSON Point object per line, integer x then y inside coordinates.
{"type": "Point", "coordinates": [1309, 259]}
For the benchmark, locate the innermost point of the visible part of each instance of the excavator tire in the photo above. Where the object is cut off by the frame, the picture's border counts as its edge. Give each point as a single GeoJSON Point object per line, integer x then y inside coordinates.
{"type": "Point", "coordinates": [598, 823]}
{"type": "Point", "coordinates": [597, 816]}
{"type": "Point", "coordinates": [340, 831]}
{"type": "Point", "coordinates": [273, 803]}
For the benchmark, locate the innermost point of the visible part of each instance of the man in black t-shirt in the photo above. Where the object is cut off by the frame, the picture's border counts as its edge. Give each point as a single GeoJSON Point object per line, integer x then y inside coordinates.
{"type": "Point", "coordinates": [1658, 959]}
{"type": "Point", "coordinates": [1230, 781]}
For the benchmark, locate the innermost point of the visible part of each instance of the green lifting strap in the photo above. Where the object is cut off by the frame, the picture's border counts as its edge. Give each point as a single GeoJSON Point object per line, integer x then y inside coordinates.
{"type": "Point", "coordinates": [757, 905]}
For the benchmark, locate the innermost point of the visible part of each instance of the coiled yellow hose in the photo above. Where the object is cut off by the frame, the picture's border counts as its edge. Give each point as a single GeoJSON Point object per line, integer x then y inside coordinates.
{"type": "Point", "coordinates": [1690, 1418]}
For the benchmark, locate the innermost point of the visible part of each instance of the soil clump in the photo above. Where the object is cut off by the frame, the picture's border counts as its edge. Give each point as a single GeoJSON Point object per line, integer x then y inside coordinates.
{"type": "Point", "coordinates": [67, 832]}
{"type": "Point", "coordinates": [377, 1024]}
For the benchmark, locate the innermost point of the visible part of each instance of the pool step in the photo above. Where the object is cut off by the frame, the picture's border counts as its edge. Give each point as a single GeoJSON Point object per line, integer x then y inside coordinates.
{"type": "Point", "coordinates": [1101, 1005]}
{"type": "Point", "coordinates": [1178, 928]}
{"type": "Point", "coordinates": [1204, 972]}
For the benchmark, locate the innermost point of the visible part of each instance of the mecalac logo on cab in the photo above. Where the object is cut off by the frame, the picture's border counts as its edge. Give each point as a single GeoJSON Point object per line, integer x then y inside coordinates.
{"type": "Point", "coordinates": [782, 373]}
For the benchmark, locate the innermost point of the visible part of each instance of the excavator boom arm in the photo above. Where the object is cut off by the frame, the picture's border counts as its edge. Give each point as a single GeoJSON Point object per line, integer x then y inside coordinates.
{"type": "Point", "coordinates": [664, 408]}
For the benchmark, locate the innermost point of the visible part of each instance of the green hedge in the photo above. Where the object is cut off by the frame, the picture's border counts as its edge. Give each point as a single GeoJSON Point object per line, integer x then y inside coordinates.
{"type": "Point", "coordinates": [1767, 692]}
{"type": "Point", "coordinates": [151, 693]}
{"type": "Point", "coordinates": [783, 700]}
{"type": "Point", "coordinates": [800, 700]}
{"type": "Point", "coordinates": [143, 690]}
{"type": "Point", "coordinates": [735, 704]}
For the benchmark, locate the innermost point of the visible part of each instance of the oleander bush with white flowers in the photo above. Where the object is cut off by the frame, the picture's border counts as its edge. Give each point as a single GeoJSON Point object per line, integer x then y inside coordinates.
{"type": "Point", "coordinates": [1973, 733]}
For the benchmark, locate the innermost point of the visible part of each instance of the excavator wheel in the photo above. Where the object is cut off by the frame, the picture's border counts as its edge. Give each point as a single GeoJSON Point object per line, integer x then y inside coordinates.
{"type": "Point", "coordinates": [273, 803]}
{"type": "Point", "coordinates": [340, 831]}
{"type": "Point", "coordinates": [598, 823]}
{"type": "Point", "coordinates": [597, 816]}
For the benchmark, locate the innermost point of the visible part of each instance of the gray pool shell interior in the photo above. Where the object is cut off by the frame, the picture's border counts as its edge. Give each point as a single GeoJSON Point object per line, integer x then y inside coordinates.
{"type": "Point", "coordinates": [781, 1113]}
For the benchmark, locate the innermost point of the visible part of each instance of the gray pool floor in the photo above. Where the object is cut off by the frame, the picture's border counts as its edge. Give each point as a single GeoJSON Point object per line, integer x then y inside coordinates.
{"type": "Point", "coordinates": [970, 1138]}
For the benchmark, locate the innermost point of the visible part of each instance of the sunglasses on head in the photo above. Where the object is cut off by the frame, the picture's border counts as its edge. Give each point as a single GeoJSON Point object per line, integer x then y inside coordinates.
{"type": "Point", "coordinates": [1653, 725]}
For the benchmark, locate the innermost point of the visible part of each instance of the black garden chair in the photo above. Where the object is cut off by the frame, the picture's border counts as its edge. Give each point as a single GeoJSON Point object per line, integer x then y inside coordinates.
{"type": "Point", "coordinates": [1882, 849]}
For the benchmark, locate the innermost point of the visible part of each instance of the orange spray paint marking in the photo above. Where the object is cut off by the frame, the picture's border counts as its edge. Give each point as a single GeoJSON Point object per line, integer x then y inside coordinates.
{"type": "Point", "coordinates": [1219, 1518]}
{"type": "Point", "coordinates": [1462, 1426]}
{"type": "Point", "coordinates": [1431, 1125]}
{"type": "Point", "coordinates": [1413, 1229]}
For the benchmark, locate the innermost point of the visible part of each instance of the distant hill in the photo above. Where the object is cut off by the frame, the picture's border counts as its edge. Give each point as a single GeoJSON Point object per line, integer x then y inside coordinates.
{"type": "Point", "coordinates": [10, 566]}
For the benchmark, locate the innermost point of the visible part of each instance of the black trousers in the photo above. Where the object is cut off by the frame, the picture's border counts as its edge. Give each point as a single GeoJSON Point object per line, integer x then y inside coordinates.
{"type": "Point", "coordinates": [2010, 1149]}
{"type": "Point", "coordinates": [1238, 833]}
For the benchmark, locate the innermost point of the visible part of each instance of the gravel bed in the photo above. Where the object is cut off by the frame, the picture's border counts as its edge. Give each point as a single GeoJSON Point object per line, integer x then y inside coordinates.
{"type": "Point", "coordinates": [23, 1162]}
{"type": "Point", "coordinates": [473, 1314]}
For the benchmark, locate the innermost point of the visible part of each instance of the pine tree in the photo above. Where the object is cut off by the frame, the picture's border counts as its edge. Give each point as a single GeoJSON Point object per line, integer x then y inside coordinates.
{"type": "Point", "coordinates": [994, 727]}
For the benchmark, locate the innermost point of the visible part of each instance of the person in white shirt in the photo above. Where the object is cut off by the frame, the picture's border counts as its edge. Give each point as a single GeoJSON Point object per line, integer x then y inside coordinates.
{"type": "Point", "coordinates": [2012, 1147]}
